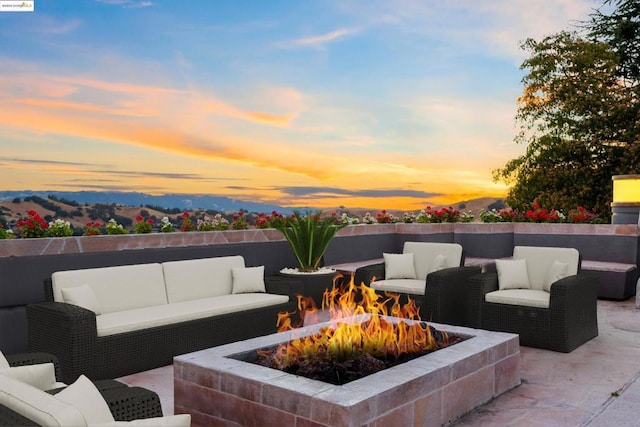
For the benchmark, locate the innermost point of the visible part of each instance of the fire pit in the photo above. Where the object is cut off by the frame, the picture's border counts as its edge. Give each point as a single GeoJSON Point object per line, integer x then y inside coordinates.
{"type": "Point", "coordinates": [222, 385]}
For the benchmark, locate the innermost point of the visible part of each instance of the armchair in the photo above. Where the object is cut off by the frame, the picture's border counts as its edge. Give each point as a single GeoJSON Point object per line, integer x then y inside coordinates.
{"type": "Point", "coordinates": [539, 294]}
{"type": "Point", "coordinates": [431, 274]}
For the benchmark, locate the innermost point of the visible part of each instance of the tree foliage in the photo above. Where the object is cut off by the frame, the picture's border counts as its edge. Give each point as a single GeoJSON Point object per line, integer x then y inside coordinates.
{"type": "Point", "coordinates": [578, 115]}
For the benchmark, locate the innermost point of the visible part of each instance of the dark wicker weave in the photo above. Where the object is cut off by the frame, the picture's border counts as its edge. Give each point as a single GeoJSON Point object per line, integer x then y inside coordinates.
{"type": "Point", "coordinates": [69, 332]}
{"type": "Point", "coordinates": [445, 298]}
{"type": "Point", "coordinates": [126, 403]}
{"type": "Point", "coordinates": [570, 321]}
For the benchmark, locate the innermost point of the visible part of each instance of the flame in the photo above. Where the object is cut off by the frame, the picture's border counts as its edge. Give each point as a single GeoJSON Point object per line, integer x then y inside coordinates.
{"type": "Point", "coordinates": [378, 336]}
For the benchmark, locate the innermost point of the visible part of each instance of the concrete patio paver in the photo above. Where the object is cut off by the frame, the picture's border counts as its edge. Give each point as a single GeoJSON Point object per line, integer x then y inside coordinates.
{"type": "Point", "coordinates": [558, 389]}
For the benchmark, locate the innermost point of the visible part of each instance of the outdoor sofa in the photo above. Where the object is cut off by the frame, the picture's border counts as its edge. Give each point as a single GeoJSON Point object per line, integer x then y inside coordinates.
{"type": "Point", "coordinates": [114, 321]}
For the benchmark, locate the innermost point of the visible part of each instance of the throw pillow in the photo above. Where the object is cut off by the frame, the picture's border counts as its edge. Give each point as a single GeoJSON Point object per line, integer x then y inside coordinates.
{"type": "Point", "coordinates": [399, 266]}
{"type": "Point", "coordinates": [512, 274]}
{"type": "Point", "coordinates": [557, 271]}
{"type": "Point", "coordinates": [41, 376]}
{"type": "Point", "coordinates": [248, 279]}
{"type": "Point", "coordinates": [4, 363]}
{"type": "Point", "coordinates": [85, 397]}
{"type": "Point", "coordinates": [181, 420]}
{"type": "Point", "coordinates": [82, 296]}
{"type": "Point", "coordinates": [439, 263]}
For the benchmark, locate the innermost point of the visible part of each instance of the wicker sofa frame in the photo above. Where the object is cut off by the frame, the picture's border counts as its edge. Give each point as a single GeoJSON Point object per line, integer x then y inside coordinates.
{"type": "Point", "coordinates": [445, 298]}
{"type": "Point", "coordinates": [570, 321]}
{"type": "Point", "coordinates": [69, 332]}
{"type": "Point", "coordinates": [126, 403]}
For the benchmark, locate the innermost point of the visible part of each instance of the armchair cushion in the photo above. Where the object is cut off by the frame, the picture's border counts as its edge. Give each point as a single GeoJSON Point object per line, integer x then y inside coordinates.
{"type": "Point", "coordinates": [404, 286]}
{"type": "Point", "coordinates": [399, 266]}
{"type": "Point", "coordinates": [4, 363]}
{"type": "Point", "coordinates": [82, 296]}
{"type": "Point", "coordinates": [540, 261]}
{"type": "Point", "coordinates": [439, 263]}
{"type": "Point", "coordinates": [557, 271]}
{"type": "Point", "coordinates": [512, 274]}
{"type": "Point", "coordinates": [248, 279]}
{"type": "Point", "coordinates": [41, 376]}
{"type": "Point", "coordinates": [85, 397]}
{"type": "Point", "coordinates": [526, 297]}
{"type": "Point", "coordinates": [426, 252]}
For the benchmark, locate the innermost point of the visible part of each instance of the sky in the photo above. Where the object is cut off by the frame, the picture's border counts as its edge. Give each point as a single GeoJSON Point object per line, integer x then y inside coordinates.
{"type": "Point", "coordinates": [324, 103]}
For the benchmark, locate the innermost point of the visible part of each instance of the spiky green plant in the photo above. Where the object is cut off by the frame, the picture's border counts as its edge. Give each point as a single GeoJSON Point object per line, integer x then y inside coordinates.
{"type": "Point", "coordinates": [309, 236]}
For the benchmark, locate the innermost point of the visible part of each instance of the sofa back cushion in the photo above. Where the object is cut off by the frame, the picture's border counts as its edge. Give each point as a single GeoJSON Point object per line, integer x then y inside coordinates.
{"type": "Point", "coordinates": [37, 405]}
{"type": "Point", "coordinates": [200, 278]}
{"type": "Point", "coordinates": [426, 259]}
{"type": "Point", "coordinates": [540, 261]}
{"type": "Point", "coordinates": [116, 288]}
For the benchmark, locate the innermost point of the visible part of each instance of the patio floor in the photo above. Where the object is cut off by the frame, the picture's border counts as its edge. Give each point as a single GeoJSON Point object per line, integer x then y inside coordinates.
{"type": "Point", "coordinates": [558, 389]}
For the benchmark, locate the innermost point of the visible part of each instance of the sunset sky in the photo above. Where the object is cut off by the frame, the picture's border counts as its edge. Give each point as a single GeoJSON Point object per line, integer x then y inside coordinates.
{"type": "Point", "coordinates": [363, 103]}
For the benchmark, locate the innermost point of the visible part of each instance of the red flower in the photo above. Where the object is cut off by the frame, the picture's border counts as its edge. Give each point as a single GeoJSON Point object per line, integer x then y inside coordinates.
{"type": "Point", "coordinates": [150, 220]}
{"type": "Point", "coordinates": [139, 218]}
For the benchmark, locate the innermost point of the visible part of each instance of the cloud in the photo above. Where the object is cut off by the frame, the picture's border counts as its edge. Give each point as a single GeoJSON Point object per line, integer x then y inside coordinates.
{"type": "Point", "coordinates": [127, 4]}
{"type": "Point", "coordinates": [319, 40]}
{"type": "Point", "coordinates": [325, 191]}
{"type": "Point", "coordinates": [43, 162]}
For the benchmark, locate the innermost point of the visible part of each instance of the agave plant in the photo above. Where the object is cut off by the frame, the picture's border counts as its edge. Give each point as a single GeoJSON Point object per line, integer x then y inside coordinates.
{"type": "Point", "coordinates": [309, 236]}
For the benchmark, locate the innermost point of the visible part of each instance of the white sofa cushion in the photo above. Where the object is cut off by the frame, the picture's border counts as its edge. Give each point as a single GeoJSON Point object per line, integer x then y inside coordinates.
{"type": "Point", "coordinates": [41, 376]}
{"type": "Point", "coordinates": [148, 317]}
{"type": "Point", "coordinates": [399, 266]}
{"type": "Point", "coordinates": [512, 274]}
{"type": "Point", "coordinates": [181, 420]}
{"type": "Point", "coordinates": [87, 399]}
{"type": "Point", "coordinates": [4, 363]}
{"type": "Point", "coordinates": [200, 278]}
{"type": "Point", "coordinates": [424, 254]}
{"type": "Point", "coordinates": [402, 286]}
{"type": "Point", "coordinates": [526, 297]}
{"type": "Point", "coordinates": [248, 279]}
{"type": "Point", "coordinates": [557, 271]}
{"type": "Point", "coordinates": [540, 261]}
{"type": "Point", "coordinates": [83, 296]}
{"type": "Point", "coordinates": [117, 288]}
{"type": "Point", "coordinates": [37, 405]}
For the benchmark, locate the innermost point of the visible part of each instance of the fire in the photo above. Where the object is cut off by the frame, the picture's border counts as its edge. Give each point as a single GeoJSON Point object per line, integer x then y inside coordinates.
{"type": "Point", "coordinates": [380, 337]}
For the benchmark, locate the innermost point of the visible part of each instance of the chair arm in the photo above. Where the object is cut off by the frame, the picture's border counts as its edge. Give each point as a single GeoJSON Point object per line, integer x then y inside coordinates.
{"type": "Point", "coordinates": [35, 358]}
{"type": "Point", "coordinates": [132, 403]}
{"type": "Point", "coordinates": [282, 285]}
{"type": "Point", "coordinates": [446, 294]}
{"type": "Point", "coordinates": [366, 274]}
{"type": "Point", "coordinates": [68, 332]}
{"type": "Point", "coordinates": [479, 286]}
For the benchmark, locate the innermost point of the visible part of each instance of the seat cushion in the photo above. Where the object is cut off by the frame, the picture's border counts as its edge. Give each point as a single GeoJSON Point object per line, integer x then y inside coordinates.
{"type": "Point", "coordinates": [149, 317]}
{"type": "Point", "coordinates": [118, 288]}
{"type": "Point", "coordinates": [425, 253]}
{"type": "Point", "coordinates": [540, 260]}
{"type": "Point", "coordinates": [401, 286]}
{"type": "Point", "coordinates": [195, 279]}
{"type": "Point", "coordinates": [526, 297]}
{"type": "Point", "coordinates": [37, 405]}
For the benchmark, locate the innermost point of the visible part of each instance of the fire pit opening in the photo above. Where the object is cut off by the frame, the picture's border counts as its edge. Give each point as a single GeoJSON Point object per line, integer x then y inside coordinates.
{"type": "Point", "coordinates": [366, 333]}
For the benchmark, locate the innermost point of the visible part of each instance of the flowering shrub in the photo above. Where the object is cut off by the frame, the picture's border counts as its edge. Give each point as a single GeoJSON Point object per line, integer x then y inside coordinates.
{"type": "Point", "coordinates": [368, 219]}
{"type": "Point", "coordinates": [33, 225]}
{"type": "Point", "coordinates": [580, 216]}
{"type": "Point", "coordinates": [114, 228]}
{"type": "Point", "coordinates": [239, 222]}
{"type": "Point", "coordinates": [384, 217]}
{"type": "Point", "coordinates": [59, 228]}
{"type": "Point", "coordinates": [429, 215]}
{"type": "Point", "coordinates": [274, 220]}
{"type": "Point", "coordinates": [5, 233]}
{"type": "Point", "coordinates": [142, 226]}
{"type": "Point", "coordinates": [166, 226]}
{"type": "Point", "coordinates": [408, 217]}
{"type": "Point", "coordinates": [540, 214]}
{"type": "Point", "coordinates": [187, 224]}
{"type": "Point", "coordinates": [217, 223]}
{"type": "Point", "coordinates": [92, 228]}
{"type": "Point", "coordinates": [346, 219]}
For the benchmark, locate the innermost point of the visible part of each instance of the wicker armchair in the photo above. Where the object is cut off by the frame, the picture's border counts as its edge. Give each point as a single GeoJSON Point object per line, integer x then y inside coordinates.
{"type": "Point", "coordinates": [441, 295]}
{"type": "Point", "coordinates": [126, 403]}
{"type": "Point", "coordinates": [561, 317]}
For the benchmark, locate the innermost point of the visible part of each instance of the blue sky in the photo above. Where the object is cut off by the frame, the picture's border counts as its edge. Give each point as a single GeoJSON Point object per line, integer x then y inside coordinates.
{"type": "Point", "coordinates": [379, 104]}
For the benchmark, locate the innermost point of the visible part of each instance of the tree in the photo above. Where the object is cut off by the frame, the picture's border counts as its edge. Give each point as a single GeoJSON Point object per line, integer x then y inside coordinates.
{"type": "Point", "coordinates": [579, 119]}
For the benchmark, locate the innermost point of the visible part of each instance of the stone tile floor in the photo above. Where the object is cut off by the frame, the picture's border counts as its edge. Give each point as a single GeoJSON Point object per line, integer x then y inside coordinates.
{"type": "Point", "coordinates": [558, 389]}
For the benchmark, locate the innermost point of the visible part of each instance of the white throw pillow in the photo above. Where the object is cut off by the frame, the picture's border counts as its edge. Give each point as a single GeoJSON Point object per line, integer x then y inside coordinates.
{"type": "Point", "coordinates": [248, 279]}
{"type": "Point", "coordinates": [82, 296]}
{"type": "Point", "coordinates": [557, 271]}
{"type": "Point", "coordinates": [512, 274]}
{"type": "Point", "coordinates": [439, 263]}
{"type": "Point", "coordinates": [4, 363]}
{"type": "Point", "coordinates": [399, 266]}
{"type": "Point", "coordinates": [41, 376]}
{"type": "Point", "coordinates": [85, 397]}
{"type": "Point", "coordinates": [181, 420]}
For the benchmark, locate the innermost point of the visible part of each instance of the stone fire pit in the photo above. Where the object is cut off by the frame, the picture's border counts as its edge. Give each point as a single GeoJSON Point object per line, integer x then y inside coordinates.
{"type": "Point", "coordinates": [432, 390]}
